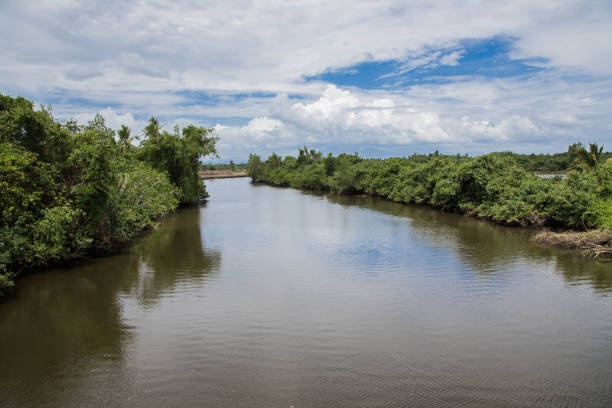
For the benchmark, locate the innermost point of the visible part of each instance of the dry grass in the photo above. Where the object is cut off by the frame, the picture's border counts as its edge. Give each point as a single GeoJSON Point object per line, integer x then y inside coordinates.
{"type": "Point", "coordinates": [597, 243]}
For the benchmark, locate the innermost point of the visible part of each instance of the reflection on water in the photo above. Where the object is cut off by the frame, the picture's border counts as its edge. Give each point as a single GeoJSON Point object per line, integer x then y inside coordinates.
{"type": "Point", "coordinates": [173, 255]}
{"type": "Point", "coordinates": [68, 320]}
{"type": "Point", "coordinates": [273, 297]}
{"type": "Point", "coordinates": [488, 247]}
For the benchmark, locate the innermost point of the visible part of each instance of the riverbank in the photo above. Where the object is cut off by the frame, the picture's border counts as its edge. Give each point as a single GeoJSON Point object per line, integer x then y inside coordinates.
{"type": "Point", "coordinates": [491, 187]}
{"type": "Point", "coordinates": [216, 174]}
{"type": "Point", "coordinates": [597, 243]}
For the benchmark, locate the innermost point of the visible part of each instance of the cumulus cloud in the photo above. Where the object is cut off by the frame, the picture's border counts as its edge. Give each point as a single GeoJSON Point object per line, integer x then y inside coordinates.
{"type": "Point", "coordinates": [507, 129]}
{"type": "Point", "coordinates": [366, 119]}
{"type": "Point", "coordinates": [544, 114]}
{"type": "Point", "coordinates": [338, 117]}
{"type": "Point", "coordinates": [259, 132]}
{"type": "Point", "coordinates": [333, 103]}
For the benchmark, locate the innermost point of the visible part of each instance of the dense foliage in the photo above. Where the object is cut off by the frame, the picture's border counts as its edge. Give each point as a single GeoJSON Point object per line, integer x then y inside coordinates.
{"type": "Point", "coordinates": [491, 186]}
{"type": "Point", "coordinates": [67, 190]}
{"type": "Point", "coordinates": [178, 155]}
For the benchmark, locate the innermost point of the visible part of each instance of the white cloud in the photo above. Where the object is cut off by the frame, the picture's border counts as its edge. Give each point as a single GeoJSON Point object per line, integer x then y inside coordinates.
{"type": "Point", "coordinates": [544, 114]}
{"type": "Point", "coordinates": [259, 132]}
{"type": "Point", "coordinates": [363, 119]}
{"type": "Point", "coordinates": [452, 58]}
{"type": "Point", "coordinates": [340, 117]}
{"type": "Point", "coordinates": [242, 45]}
{"type": "Point", "coordinates": [515, 125]}
{"type": "Point", "coordinates": [333, 103]}
{"type": "Point", "coordinates": [140, 57]}
{"type": "Point", "coordinates": [112, 119]}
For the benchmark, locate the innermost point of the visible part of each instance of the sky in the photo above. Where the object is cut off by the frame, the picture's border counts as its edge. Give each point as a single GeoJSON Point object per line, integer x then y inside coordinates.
{"type": "Point", "coordinates": [380, 78]}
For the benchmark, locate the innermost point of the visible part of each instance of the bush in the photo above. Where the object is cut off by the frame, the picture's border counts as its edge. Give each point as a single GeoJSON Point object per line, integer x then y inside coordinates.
{"type": "Point", "coordinates": [67, 190]}
{"type": "Point", "coordinates": [491, 186]}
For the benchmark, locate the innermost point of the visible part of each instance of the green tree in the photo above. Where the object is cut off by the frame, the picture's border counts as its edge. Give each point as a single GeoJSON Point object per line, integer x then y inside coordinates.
{"type": "Point", "coordinates": [573, 149]}
{"type": "Point", "coordinates": [125, 140]}
{"type": "Point", "coordinates": [330, 165]}
{"type": "Point", "coordinates": [588, 159]}
{"type": "Point", "coordinates": [179, 154]}
{"type": "Point", "coordinates": [255, 167]}
{"type": "Point", "coordinates": [274, 161]}
{"type": "Point", "coordinates": [68, 190]}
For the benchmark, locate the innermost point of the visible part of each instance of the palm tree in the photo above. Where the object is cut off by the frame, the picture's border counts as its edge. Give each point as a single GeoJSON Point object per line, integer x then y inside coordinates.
{"type": "Point", "coordinates": [124, 138]}
{"type": "Point", "coordinates": [588, 160]}
{"type": "Point", "coordinates": [153, 128]}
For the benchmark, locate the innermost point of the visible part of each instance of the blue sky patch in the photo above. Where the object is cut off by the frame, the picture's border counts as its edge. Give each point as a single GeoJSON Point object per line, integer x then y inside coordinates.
{"type": "Point", "coordinates": [483, 58]}
{"type": "Point", "coordinates": [203, 98]}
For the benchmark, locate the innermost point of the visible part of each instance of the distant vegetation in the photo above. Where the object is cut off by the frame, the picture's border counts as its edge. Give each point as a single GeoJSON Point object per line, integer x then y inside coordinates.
{"type": "Point", "coordinates": [558, 162]}
{"type": "Point", "coordinates": [492, 186]}
{"type": "Point", "coordinates": [225, 166]}
{"type": "Point", "coordinates": [68, 190]}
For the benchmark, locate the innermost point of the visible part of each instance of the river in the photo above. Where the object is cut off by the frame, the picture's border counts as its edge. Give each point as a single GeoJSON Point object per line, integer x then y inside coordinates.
{"type": "Point", "coordinates": [269, 297]}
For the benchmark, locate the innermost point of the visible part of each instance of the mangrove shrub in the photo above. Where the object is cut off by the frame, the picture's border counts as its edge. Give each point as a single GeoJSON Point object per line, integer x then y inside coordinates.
{"type": "Point", "coordinates": [68, 190]}
{"type": "Point", "coordinates": [492, 186]}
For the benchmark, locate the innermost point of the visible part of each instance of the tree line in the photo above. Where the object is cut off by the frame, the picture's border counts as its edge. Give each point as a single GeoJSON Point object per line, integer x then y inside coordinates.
{"type": "Point", "coordinates": [224, 166]}
{"type": "Point", "coordinates": [68, 190]}
{"type": "Point", "coordinates": [492, 186]}
{"type": "Point", "coordinates": [561, 162]}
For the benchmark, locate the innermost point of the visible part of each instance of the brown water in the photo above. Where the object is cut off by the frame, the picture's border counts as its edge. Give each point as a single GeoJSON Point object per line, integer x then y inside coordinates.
{"type": "Point", "coordinates": [269, 297]}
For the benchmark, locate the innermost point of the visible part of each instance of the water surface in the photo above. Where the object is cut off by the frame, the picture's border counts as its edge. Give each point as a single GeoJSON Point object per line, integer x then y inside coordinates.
{"type": "Point", "coordinates": [268, 297]}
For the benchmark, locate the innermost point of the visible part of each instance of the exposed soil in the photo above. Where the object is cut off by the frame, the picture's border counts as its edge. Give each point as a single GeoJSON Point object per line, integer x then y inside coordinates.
{"type": "Point", "coordinates": [597, 243]}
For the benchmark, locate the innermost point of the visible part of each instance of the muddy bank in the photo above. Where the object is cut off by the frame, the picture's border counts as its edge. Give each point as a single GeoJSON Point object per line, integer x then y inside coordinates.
{"type": "Point", "coordinates": [596, 243]}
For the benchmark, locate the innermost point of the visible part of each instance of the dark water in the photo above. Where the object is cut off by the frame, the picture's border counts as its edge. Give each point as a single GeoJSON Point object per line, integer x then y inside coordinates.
{"type": "Point", "coordinates": [270, 297]}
